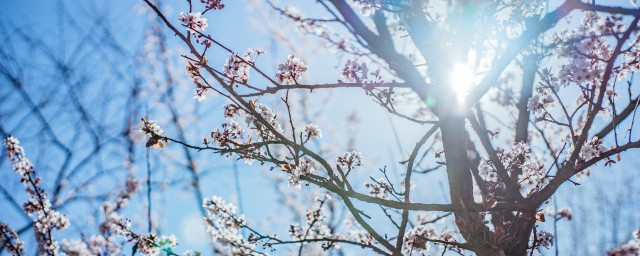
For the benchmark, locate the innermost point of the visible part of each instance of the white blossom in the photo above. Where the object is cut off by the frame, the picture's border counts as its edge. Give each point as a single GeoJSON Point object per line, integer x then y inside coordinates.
{"type": "Point", "coordinates": [591, 149]}
{"type": "Point", "coordinates": [305, 167]}
{"type": "Point", "coordinates": [312, 131]}
{"type": "Point", "coordinates": [486, 171]}
{"type": "Point", "coordinates": [351, 159]}
{"type": "Point", "coordinates": [291, 70]}
{"type": "Point", "coordinates": [193, 21]}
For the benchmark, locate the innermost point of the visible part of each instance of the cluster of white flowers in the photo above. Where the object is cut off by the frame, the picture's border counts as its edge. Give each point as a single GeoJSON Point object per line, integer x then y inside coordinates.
{"type": "Point", "coordinates": [95, 245]}
{"type": "Point", "coordinates": [106, 243]}
{"type": "Point", "coordinates": [147, 244]}
{"type": "Point", "coordinates": [212, 4]}
{"type": "Point", "coordinates": [231, 111]}
{"type": "Point", "coordinates": [631, 248]}
{"type": "Point", "coordinates": [230, 131]}
{"type": "Point", "coordinates": [580, 70]}
{"type": "Point", "coordinates": [312, 131]}
{"type": "Point", "coordinates": [47, 218]}
{"type": "Point", "coordinates": [152, 244]}
{"type": "Point", "coordinates": [193, 21]}
{"type": "Point", "coordinates": [110, 209]}
{"type": "Point", "coordinates": [416, 239]}
{"type": "Point", "coordinates": [543, 239]}
{"type": "Point", "coordinates": [379, 189]}
{"type": "Point", "coordinates": [486, 171]}
{"type": "Point", "coordinates": [305, 167]}
{"type": "Point", "coordinates": [291, 70]}
{"type": "Point", "coordinates": [545, 90]}
{"type": "Point", "coordinates": [268, 115]}
{"type": "Point", "coordinates": [154, 133]}
{"type": "Point", "coordinates": [586, 50]}
{"type": "Point", "coordinates": [237, 67]}
{"type": "Point", "coordinates": [355, 71]}
{"type": "Point", "coordinates": [315, 227]}
{"type": "Point", "coordinates": [540, 101]}
{"type": "Point", "coordinates": [350, 159]}
{"type": "Point", "coordinates": [591, 149]}
{"type": "Point", "coordinates": [355, 233]}
{"type": "Point", "coordinates": [11, 240]}
{"type": "Point", "coordinates": [224, 225]}
{"type": "Point", "coordinates": [533, 177]}
{"type": "Point", "coordinates": [519, 157]}
{"type": "Point", "coordinates": [193, 71]}
{"type": "Point", "coordinates": [150, 128]}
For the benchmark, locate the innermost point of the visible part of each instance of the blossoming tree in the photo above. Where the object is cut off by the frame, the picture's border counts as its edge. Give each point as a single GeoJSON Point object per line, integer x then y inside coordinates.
{"type": "Point", "coordinates": [495, 188]}
{"type": "Point", "coordinates": [572, 105]}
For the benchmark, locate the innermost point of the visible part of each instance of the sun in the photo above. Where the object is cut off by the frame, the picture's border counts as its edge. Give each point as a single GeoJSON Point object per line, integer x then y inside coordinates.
{"type": "Point", "coordinates": [462, 78]}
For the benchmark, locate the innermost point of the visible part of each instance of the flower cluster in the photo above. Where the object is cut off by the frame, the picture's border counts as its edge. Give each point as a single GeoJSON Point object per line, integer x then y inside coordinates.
{"type": "Point", "coordinates": [154, 133]}
{"type": "Point", "coordinates": [110, 209]}
{"type": "Point", "coordinates": [416, 239]}
{"type": "Point", "coordinates": [312, 131]}
{"type": "Point", "coordinates": [105, 243]}
{"type": "Point", "coordinates": [230, 131]}
{"type": "Point", "coordinates": [315, 227]}
{"type": "Point", "coordinates": [95, 245]}
{"type": "Point", "coordinates": [193, 21]}
{"type": "Point", "coordinates": [193, 71]}
{"type": "Point", "coordinates": [355, 71]}
{"type": "Point", "coordinates": [544, 93]}
{"type": "Point", "coordinates": [291, 70]}
{"type": "Point", "coordinates": [591, 149]}
{"type": "Point", "coordinates": [350, 159]}
{"type": "Point", "coordinates": [212, 4]}
{"type": "Point", "coordinates": [486, 171]}
{"type": "Point", "coordinates": [518, 159]}
{"type": "Point", "coordinates": [379, 188]}
{"type": "Point", "coordinates": [231, 111]}
{"type": "Point", "coordinates": [47, 219]}
{"type": "Point", "coordinates": [318, 228]}
{"type": "Point", "coordinates": [237, 67]}
{"type": "Point", "coordinates": [305, 167]}
{"type": "Point", "coordinates": [585, 50]}
{"type": "Point", "coordinates": [631, 248]}
{"type": "Point", "coordinates": [224, 224]}
{"type": "Point", "coordinates": [148, 244]}
{"type": "Point", "coordinates": [10, 240]}
{"type": "Point", "coordinates": [543, 239]}
{"type": "Point", "coordinates": [269, 115]}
